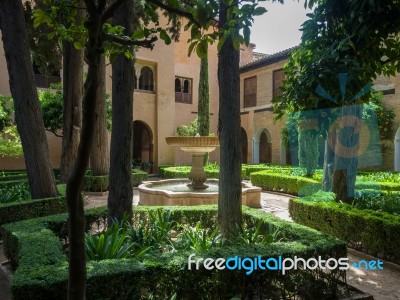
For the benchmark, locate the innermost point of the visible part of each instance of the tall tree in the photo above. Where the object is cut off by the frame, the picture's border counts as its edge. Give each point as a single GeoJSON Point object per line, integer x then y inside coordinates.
{"type": "Point", "coordinates": [345, 45]}
{"type": "Point", "coordinates": [203, 107]}
{"type": "Point", "coordinates": [72, 101]}
{"type": "Point", "coordinates": [100, 155]}
{"type": "Point", "coordinates": [28, 114]}
{"type": "Point", "coordinates": [230, 183]}
{"type": "Point", "coordinates": [121, 186]}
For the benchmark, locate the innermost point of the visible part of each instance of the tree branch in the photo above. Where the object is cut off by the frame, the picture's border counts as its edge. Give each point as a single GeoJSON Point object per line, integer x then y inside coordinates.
{"type": "Point", "coordinates": [148, 43]}
{"type": "Point", "coordinates": [390, 60]}
{"type": "Point", "coordinates": [111, 9]}
{"type": "Point", "coordinates": [91, 7]}
{"type": "Point", "coordinates": [177, 11]}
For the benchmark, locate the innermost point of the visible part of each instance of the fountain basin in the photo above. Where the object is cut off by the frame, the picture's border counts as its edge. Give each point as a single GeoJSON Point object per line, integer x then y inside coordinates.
{"type": "Point", "coordinates": [175, 192]}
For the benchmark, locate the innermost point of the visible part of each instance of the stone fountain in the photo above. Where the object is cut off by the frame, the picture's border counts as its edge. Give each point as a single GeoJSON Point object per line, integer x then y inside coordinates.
{"type": "Point", "coordinates": [197, 190]}
{"type": "Point", "coordinates": [198, 146]}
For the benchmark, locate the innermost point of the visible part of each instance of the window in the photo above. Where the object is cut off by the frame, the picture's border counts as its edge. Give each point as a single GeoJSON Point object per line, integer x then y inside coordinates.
{"type": "Point", "coordinates": [146, 81]}
{"type": "Point", "coordinates": [183, 90]}
{"type": "Point", "coordinates": [278, 77]}
{"type": "Point", "coordinates": [250, 92]}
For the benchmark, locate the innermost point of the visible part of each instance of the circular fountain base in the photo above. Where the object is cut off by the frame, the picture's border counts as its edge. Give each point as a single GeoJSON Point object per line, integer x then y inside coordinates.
{"type": "Point", "coordinates": [176, 192]}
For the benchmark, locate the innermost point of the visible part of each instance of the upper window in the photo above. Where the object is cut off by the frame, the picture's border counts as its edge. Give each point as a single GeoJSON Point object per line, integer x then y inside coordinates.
{"type": "Point", "coordinates": [183, 90]}
{"type": "Point", "coordinates": [250, 92]}
{"type": "Point", "coordinates": [278, 77]}
{"type": "Point", "coordinates": [146, 81]}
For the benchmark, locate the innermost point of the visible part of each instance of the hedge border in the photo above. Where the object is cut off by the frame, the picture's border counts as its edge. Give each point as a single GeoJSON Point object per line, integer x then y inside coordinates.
{"type": "Point", "coordinates": [42, 265]}
{"type": "Point", "coordinates": [376, 233]}
{"type": "Point", "coordinates": [17, 211]}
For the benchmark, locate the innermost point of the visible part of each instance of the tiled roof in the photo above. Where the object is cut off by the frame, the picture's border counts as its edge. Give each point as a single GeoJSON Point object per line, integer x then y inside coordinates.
{"type": "Point", "coordinates": [266, 60]}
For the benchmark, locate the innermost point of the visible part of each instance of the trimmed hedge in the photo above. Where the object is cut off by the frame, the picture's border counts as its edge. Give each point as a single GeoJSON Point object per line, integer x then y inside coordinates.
{"type": "Point", "coordinates": [296, 185]}
{"type": "Point", "coordinates": [376, 233]}
{"type": "Point", "coordinates": [101, 183]}
{"type": "Point", "coordinates": [34, 246]}
{"type": "Point", "coordinates": [183, 172]}
{"type": "Point", "coordinates": [17, 211]}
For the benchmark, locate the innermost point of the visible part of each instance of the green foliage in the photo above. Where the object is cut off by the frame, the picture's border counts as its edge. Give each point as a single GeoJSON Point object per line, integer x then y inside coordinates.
{"type": "Point", "coordinates": [285, 183]}
{"type": "Point", "coordinates": [211, 169]}
{"type": "Point", "coordinates": [378, 201]}
{"type": "Point", "coordinates": [46, 52]}
{"type": "Point", "coordinates": [42, 270]}
{"type": "Point", "coordinates": [190, 130]}
{"type": "Point", "coordinates": [10, 143]}
{"type": "Point", "coordinates": [17, 192]}
{"type": "Point", "coordinates": [308, 150]}
{"type": "Point", "coordinates": [51, 101]}
{"type": "Point", "coordinates": [373, 232]}
{"type": "Point", "coordinates": [256, 234]}
{"type": "Point", "coordinates": [114, 243]}
{"type": "Point", "coordinates": [383, 116]}
{"type": "Point", "coordinates": [101, 183]}
{"type": "Point", "coordinates": [6, 109]}
{"type": "Point", "coordinates": [199, 239]}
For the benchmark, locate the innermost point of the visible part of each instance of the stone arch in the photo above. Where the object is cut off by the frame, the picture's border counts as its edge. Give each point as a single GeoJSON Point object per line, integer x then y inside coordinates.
{"type": "Point", "coordinates": [262, 146]}
{"type": "Point", "coordinates": [244, 145]}
{"type": "Point", "coordinates": [142, 141]}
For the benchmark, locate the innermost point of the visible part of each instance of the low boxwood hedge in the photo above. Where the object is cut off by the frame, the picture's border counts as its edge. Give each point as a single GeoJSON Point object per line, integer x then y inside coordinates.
{"type": "Point", "coordinates": [296, 185]}
{"type": "Point", "coordinates": [101, 183]}
{"type": "Point", "coordinates": [376, 233]}
{"type": "Point", "coordinates": [16, 211]}
{"type": "Point", "coordinates": [183, 172]}
{"type": "Point", "coordinates": [34, 247]}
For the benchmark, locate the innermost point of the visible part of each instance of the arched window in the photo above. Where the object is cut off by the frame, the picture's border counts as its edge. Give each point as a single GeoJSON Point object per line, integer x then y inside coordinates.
{"type": "Point", "coordinates": [178, 87]}
{"type": "Point", "coordinates": [146, 81]}
{"type": "Point", "coordinates": [183, 90]}
{"type": "Point", "coordinates": [186, 86]}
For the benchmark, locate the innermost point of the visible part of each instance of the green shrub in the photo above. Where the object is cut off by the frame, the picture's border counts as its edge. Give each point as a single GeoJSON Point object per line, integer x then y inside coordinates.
{"type": "Point", "coordinates": [376, 233]}
{"type": "Point", "coordinates": [212, 171]}
{"type": "Point", "coordinates": [296, 185]}
{"type": "Point", "coordinates": [138, 176]}
{"type": "Point", "coordinates": [16, 211]}
{"type": "Point", "coordinates": [18, 191]}
{"type": "Point", "coordinates": [34, 246]}
{"type": "Point", "coordinates": [95, 183]}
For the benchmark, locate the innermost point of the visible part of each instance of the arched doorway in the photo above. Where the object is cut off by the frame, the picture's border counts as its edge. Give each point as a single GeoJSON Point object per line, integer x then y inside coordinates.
{"type": "Point", "coordinates": [262, 146]}
{"type": "Point", "coordinates": [397, 151]}
{"type": "Point", "coordinates": [265, 147]}
{"type": "Point", "coordinates": [142, 142]}
{"type": "Point", "coordinates": [244, 145]}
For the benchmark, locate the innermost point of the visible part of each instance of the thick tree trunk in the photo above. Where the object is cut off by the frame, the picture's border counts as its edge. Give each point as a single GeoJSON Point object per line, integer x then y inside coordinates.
{"type": "Point", "coordinates": [100, 155]}
{"type": "Point", "coordinates": [346, 153]}
{"type": "Point", "coordinates": [329, 161]}
{"type": "Point", "coordinates": [76, 224]}
{"type": "Point", "coordinates": [230, 189]}
{"type": "Point", "coordinates": [72, 97]}
{"type": "Point", "coordinates": [28, 114]}
{"type": "Point", "coordinates": [203, 106]}
{"type": "Point", "coordinates": [121, 190]}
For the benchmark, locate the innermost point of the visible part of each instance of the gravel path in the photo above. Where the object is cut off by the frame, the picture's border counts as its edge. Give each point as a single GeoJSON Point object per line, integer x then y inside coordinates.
{"type": "Point", "coordinates": [382, 284]}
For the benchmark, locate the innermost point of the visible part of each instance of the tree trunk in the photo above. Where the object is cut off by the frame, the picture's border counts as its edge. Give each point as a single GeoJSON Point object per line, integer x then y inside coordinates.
{"type": "Point", "coordinates": [72, 97]}
{"type": "Point", "coordinates": [230, 189]}
{"type": "Point", "coordinates": [28, 114]}
{"type": "Point", "coordinates": [329, 161]}
{"type": "Point", "coordinates": [346, 153]}
{"type": "Point", "coordinates": [203, 106]}
{"type": "Point", "coordinates": [121, 190]}
{"type": "Point", "coordinates": [76, 224]}
{"type": "Point", "coordinates": [100, 155]}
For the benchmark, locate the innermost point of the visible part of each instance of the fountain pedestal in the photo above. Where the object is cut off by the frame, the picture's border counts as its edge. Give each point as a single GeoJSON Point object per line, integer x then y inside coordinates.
{"type": "Point", "coordinates": [197, 146]}
{"type": "Point", "coordinates": [197, 174]}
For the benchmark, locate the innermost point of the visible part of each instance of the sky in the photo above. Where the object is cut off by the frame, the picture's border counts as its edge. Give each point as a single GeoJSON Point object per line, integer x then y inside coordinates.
{"type": "Point", "coordinates": [278, 29]}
